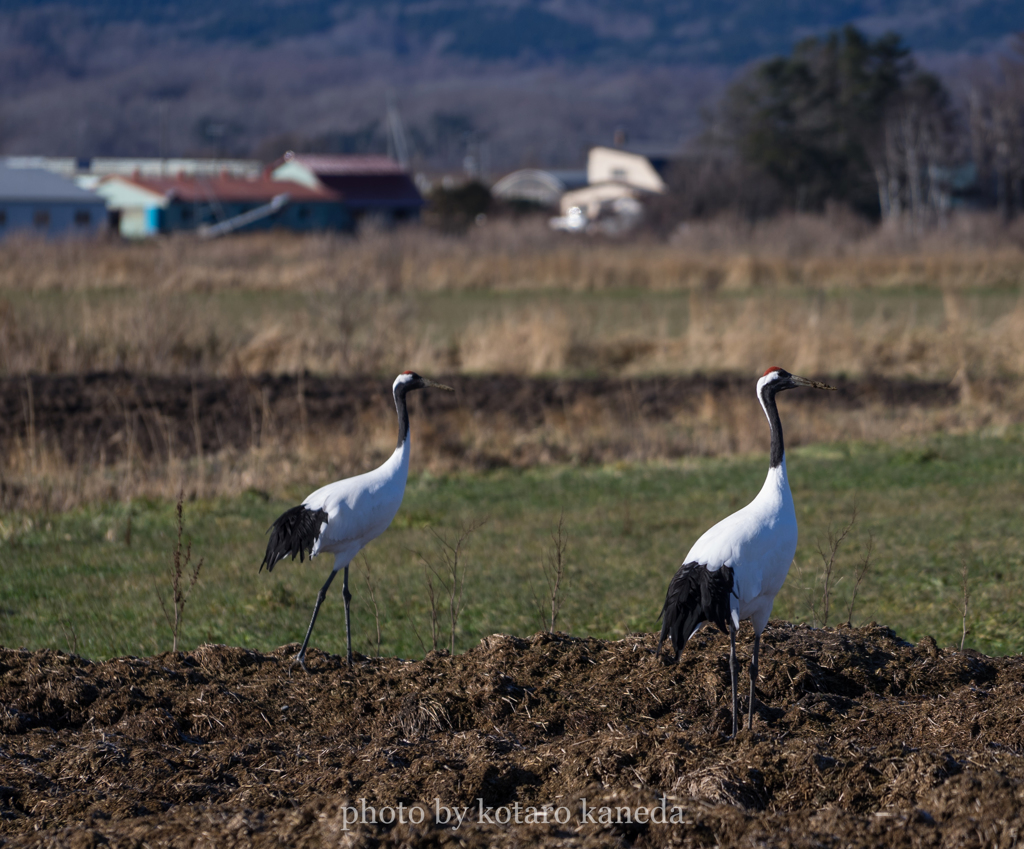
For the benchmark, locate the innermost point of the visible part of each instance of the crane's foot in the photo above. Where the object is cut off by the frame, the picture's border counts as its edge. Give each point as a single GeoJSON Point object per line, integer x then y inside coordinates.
{"type": "Point", "coordinates": [300, 660]}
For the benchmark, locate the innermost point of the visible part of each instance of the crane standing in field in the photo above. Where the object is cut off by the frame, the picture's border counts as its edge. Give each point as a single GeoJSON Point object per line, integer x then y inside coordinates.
{"type": "Point", "coordinates": [344, 516]}
{"type": "Point", "coordinates": [735, 570]}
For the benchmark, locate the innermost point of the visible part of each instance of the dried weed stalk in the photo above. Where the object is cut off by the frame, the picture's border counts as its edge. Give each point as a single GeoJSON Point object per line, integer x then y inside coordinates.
{"type": "Point", "coordinates": [835, 539]}
{"type": "Point", "coordinates": [862, 570]}
{"type": "Point", "coordinates": [68, 627]}
{"type": "Point", "coordinates": [450, 573]}
{"type": "Point", "coordinates": [432, 598]}
{"type": "Point", "coordinates": [553, 565]}
{"type": "Point", "coordinates": [965, 599]}
{"type": "Point", "coordinates": [30, 425]}
{"type": "Point", "coordinates": [181, 587]}
{"type": "Point", "coordinates": [371, 589]}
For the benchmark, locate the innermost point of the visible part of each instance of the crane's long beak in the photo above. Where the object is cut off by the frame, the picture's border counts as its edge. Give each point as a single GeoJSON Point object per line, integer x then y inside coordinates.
{"type": "Point", "coordinates": [803, 381]}
{"type": "Point", "coordinates": [437, 385]}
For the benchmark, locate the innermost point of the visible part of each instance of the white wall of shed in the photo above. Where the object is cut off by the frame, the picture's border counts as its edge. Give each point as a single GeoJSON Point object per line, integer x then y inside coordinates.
{"type": "Point", "coordinates": [607, 164]}
{"type": "Point", "coordinates": [296, 172]}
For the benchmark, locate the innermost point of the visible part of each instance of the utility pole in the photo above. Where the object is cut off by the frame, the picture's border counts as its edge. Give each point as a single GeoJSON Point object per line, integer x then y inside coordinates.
{"type": "Point", "coordinates": [396, 133]}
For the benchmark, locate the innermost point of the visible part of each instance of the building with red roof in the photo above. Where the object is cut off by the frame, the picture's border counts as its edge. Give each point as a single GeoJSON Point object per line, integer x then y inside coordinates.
{"type": "Point", "coordinates": [369, 186]}
{"type": "Point", "coordinates": [148, 205]}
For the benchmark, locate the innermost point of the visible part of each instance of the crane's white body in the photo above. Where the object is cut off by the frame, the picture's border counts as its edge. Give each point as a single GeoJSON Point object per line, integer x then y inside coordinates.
{"type": "Point", "coordinates": [758, 543]}
{"type": "Point", "coordinates": [359, 509]}
{"type": "Point", "coordinates": [736, 568]}
{"type": "Point", "coordinates": [342, 517]}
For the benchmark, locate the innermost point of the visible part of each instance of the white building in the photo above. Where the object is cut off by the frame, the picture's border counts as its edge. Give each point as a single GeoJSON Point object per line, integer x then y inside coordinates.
{"type": "Point", "coordinates": [617, 182]}
{"type": "Point", "coordinates": [615, 165]}
{"type": "Point", "coordinates": [136, 208]}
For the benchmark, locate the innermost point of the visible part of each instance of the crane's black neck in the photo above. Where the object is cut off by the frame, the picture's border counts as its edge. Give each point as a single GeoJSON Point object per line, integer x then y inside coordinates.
{"type": "Point", "coordinates": [778, 449]}
{"type": "Point", "coordinates": [403, 413]}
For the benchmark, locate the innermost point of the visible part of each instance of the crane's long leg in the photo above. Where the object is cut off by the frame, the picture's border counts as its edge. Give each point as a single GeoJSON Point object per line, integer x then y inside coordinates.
{"type": "Point", "coordinates": [300, 658]}
{"type": "Point", "coordinates": [753, 679]}
{"type": "Point", "coordinates": [732, 674]}
{"type": "Point", "coordinates": [348, 621]}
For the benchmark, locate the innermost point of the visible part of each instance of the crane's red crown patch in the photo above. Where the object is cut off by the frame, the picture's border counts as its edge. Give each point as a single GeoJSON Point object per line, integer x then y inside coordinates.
{"type": "Point", "coordinates": [769, 371]}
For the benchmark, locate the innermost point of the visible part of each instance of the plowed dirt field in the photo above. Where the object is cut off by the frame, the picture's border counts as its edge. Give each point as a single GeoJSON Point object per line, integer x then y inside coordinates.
{"type": "Point", "coordinates": [861, 740]}
{"type": "Point", "coordinates": [89, 415]}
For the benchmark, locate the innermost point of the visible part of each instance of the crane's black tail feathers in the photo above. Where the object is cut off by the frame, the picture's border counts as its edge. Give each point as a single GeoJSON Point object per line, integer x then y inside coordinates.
{"type": "Point", "coordinates": [695, 595]}
{"type": "Point", "coordinates": [293, 532]}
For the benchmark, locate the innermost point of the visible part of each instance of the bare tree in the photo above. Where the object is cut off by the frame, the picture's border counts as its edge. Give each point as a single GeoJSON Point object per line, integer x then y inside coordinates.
{"type": "Point", "coordinates": [996, 107]}
{"type": "Point", "coordinates": [913, 154]}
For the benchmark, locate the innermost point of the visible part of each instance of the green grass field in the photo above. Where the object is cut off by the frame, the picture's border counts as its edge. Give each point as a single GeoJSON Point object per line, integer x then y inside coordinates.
{"type": "Point", "coordinates": [76, 581]}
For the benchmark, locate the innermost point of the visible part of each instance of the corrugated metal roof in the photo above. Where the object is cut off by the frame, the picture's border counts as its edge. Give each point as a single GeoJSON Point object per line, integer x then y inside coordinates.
{"type": "Point", "coordinates": [101, 166]}
{"type": "Point", "coordinates": [30, 185]}
{"type": "Point", "coordinates": [175, 167]}
{"type": "Point", "coordinates": [323, 164]}
{"type": "Point", "coordinates": [229, 189]}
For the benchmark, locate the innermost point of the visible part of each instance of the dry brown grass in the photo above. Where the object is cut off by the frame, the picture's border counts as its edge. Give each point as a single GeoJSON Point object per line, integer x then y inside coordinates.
{"type": "Point", "coordinates": [823, 252]}
{"type": "Point", "coordinates": [819, 295]}
{"type": "Point", "coordinates": [925, 332]}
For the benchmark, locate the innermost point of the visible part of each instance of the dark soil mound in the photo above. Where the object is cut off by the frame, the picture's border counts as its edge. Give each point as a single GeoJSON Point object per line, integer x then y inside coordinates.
{"type": "Point", "coordinates": [96, 415]}
{"type": "Point", "coordinates": [862, 739]}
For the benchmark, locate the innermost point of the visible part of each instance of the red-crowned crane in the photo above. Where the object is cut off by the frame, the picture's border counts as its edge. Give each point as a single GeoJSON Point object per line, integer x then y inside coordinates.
{"type": "Point", "coordinates": [735, 570]}
{"type": "Point", "coordinates": [344, 516]}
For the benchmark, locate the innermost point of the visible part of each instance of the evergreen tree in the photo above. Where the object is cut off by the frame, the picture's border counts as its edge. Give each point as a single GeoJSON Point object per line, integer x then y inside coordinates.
{"type": "Point", "coordinates": [816, 121]}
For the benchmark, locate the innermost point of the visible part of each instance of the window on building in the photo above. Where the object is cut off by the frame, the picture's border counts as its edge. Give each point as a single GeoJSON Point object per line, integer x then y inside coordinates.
{"type": "Point", "coordinates": [82, 217]}
{"type": "Point", "coordinates": [41, 218]}
{"type": "Point", "coordinates": [186, 213]}
{"type": "Point", "coordinates": [303, 213]}
{"type": "Point", "coordinates": [3, 217]}
{"type": "Point", "coordinates": [618, 173]}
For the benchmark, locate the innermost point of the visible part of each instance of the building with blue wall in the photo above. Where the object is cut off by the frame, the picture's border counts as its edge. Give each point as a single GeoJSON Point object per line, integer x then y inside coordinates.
{"type": "Point", "coordinates": [42, 203]}
{"type": "Point", "coordinates": [146, 206]}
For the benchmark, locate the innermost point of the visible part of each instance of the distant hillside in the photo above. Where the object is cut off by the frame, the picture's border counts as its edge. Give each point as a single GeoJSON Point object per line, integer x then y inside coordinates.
{"type": "Point", "coordinates": [505, 83]}
{"type": "Point", "coordinates": [697, 31]}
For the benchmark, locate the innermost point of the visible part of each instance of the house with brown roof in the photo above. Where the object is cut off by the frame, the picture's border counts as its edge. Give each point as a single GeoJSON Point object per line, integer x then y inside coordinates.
{"type": "Point", "coordinates": [145, 206]}
{"type": "Point", "coordinates": [368, 186]}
